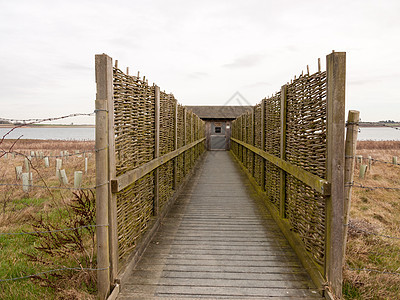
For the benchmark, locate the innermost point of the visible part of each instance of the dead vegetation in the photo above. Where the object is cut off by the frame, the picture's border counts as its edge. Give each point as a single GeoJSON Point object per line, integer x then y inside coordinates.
{"type": "Point", "coordinates": [373, 248]}
{"type": "Point", "coordinates": [50, 205]}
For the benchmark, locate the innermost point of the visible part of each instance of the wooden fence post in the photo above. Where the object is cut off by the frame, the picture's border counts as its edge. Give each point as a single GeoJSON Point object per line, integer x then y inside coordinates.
{"type": "Point", "coordinates": [184, 140]}
{"type": "Point", "coordinates": [156, 149]}
{"type": "Point", "coordinates": [175, 166]}
{"type": "Point", "coordinates": [103, 95]}
{"type": "Point", "coordinates": [253, 140]}
{"type": "Point", "coordinates": [263, 144]}
{"type": "Point", "coordinates": [282, 193]}
{"type": "Point", "coordinates": [336, 80]}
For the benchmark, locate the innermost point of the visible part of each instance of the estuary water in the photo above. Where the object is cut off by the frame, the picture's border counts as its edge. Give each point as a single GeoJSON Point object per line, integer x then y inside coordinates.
{"type": "Point", "coordinates": [83, 133]}
{"type": "Point", "coordinates": [62, 133]}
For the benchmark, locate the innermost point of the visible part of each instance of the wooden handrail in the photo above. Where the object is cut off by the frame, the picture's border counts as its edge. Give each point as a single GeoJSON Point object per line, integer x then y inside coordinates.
{"type": "Point", "coordinates": [320, 185]}
{"type": "Point", "coordinates": [128, 178]}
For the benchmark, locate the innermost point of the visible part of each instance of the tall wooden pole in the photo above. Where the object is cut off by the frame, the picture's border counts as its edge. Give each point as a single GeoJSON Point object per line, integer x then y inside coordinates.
{"type": "Point", "coordinates": [336, 80]}
{"type": "Point", "coordinates": [282, 192]}
{"type": "Point", "coordinates": [350, 152]}
{"type": "Point", "coordinates": [175, 166]}
{"type": "Point", "coordinates": [263, 116]}
{"type": "Point", "coordinates": [156, 149]}
{"type": "Point", "coordinates": [103, 96]}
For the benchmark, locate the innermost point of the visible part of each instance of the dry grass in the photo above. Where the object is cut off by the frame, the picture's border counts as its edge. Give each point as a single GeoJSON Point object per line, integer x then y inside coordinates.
{"type": "Point", "coordinates": [375, 211]}
{"type": "Point", "coordinates": [18, 210]}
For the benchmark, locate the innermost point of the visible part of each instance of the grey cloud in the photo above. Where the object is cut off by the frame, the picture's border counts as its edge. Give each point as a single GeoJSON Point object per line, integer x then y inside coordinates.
{"type": "Point", "coordinates": [258, 84]}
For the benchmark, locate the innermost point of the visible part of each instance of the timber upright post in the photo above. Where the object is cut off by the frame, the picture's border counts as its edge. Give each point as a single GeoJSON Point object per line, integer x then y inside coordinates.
{"type": "Point", "coordinates": [103, 97]}
{"type": "Point", "coordinates": [282, 192]}
{"type": "Point", "coordinates": [350, 152]}
{"type": "Point", "coordinates": [336, 80]}
{"type": "Point", "coordinates": [263, 144]}
{"type": "Point", "coordinates": [156, 148]}
{"type": "Point", "coordinates": [175, 166]}
{"type": "Point", "coordinates": [253, 140]}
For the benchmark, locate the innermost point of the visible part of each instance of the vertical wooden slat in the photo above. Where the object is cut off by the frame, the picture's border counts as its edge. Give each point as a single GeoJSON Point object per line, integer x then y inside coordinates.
{"type": "Point", "coordinates": [156, 150]}
{"type": "Point", "coordinates": [350, 152]}
{"type": "Point", "coordinates": [103, 65]}
{"type": "Point", "coordinates": [184, 140]}
{"type": "Point", "coordinates": [263, 116]}
{"type": "Point", "coordinates": [112, 175]}
{"type": "Point", "coordinates": [175, 167]}
{"type": "Point", "coordinates": [253, 140]}
{"type": "Point", "coordinates": [282, 193]}
{"type": "Point", "coordinates": [336, 79]}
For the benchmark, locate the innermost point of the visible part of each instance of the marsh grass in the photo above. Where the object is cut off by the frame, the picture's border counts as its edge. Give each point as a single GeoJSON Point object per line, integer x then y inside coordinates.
{"type": "Point", "coordinates": [21, 255]}
{"type": "Point", "coordinates": [374, 211]}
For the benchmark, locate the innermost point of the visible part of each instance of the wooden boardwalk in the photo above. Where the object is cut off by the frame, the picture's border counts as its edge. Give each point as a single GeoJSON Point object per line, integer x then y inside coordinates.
{"type": "Point", "coordinates": [215, 244]}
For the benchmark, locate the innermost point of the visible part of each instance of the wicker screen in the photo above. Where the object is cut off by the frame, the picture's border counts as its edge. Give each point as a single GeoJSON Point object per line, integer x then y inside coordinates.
{"type": "Point", "coordinates": [305, 147]}
{"type": "Point", "coordinates": [134, 125]}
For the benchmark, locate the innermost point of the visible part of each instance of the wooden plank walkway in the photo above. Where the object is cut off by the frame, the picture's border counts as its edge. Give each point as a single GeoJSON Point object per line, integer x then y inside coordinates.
{"type": "Point", "coordinates": [215, 244]}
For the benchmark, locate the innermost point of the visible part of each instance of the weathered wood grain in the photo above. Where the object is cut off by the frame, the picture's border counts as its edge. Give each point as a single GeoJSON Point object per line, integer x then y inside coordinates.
{"type": "Point", "coordinates": [215, 244]}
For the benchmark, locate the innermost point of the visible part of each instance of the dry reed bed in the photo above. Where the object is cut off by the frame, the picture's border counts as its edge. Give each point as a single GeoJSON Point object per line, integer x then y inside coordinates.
{"type": "Point", "coordinates": [375, 212]}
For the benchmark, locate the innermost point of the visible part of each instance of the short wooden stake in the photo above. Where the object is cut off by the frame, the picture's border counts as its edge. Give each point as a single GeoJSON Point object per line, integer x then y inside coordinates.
{"type": "Point", "coordinates": [30, 178]}
{"type": "Point", "coordinates": [369, 162]}
{"type": "Point", "coordinates": [77, 179]}
{"type": "Point", "coordinates": [18, 172]}
{"type": "Point", "coordinates": [394, 160]}
{"type": "Point", "coordinates": [25, 182]}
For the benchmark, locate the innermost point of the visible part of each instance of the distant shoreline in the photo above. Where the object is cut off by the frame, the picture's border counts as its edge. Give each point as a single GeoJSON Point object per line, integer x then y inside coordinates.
{"type": "Point", "coordinates": [379, 124]}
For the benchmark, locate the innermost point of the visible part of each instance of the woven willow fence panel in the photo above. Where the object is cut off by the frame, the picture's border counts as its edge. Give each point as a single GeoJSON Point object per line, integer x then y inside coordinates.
{"type": "Point", "coordinates": [305, 147]}
{"type": "Point", "coordinates": [135, 134]}
{"type": "Point", "coordinates": [272, 145]}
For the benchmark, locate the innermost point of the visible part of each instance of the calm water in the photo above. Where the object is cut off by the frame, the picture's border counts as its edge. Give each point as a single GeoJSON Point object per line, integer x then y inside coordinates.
{"type": "Point", "coordinates": [50, 133]}
{"type": "Point", "coordinates": [366, 133]}
{"type": "Point", "coordinates": [378, 134]}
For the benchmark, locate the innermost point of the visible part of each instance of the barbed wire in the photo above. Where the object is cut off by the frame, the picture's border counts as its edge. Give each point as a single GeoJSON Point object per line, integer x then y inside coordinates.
{"type": "Point", "coordinates": [375, 160]}
{"type": "Point", "coordinates": [53, 187]}
{"type": "Point", "coordinates": [52, 231]}
{"type": "Point", "coordinates": [36, 121]}
{"type": "Point", "coordinates": [54, 270]}
{"type": "Point", "coordinates": [359, 185]}
{"type": "Point", "coordinates": [350, 225]}
{"type": "Point", "coordinates": [56, 156]}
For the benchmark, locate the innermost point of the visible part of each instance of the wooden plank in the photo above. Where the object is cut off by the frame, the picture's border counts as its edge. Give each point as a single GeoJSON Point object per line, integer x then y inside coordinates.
{"type": "Point", "coordinates": [103, 66]}
{"type": "Point", "coordinates": [156, 205]}
{"type": "Point", "coordinates": [320, 185]}
{"type": "Point", "coordinates": [128, 178]}
{"type": "Point", "coordinates": [282, 191]}
{"type": "Point", "coordinates": [336, 81]}
{"type": "Point", "coordinates": [294, 240]}
{"type": "Point", "coordinates": [112, 198]}
{"type": "Point", "coordinates": [216, 291]}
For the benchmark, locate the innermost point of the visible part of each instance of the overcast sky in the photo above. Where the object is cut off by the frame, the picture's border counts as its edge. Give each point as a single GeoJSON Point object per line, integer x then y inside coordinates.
{"type": "Point", "coordinates": [201, 51]}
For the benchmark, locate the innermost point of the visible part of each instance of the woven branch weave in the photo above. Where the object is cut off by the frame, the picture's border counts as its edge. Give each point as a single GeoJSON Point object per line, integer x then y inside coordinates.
{"type": "Point", "coordinates": [305, 148]}
{"type": "Point", "coordinates": [134, 125]}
